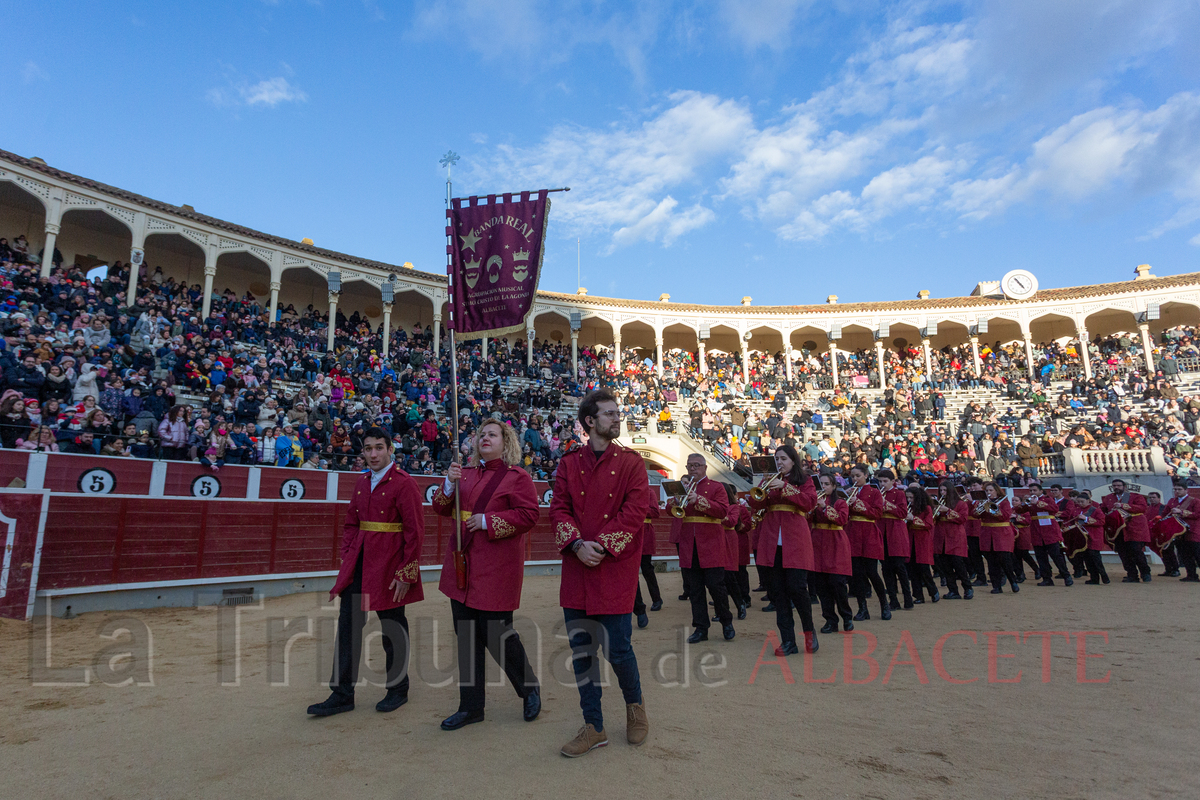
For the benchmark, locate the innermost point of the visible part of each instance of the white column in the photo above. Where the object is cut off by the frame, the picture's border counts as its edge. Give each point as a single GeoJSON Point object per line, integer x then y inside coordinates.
{"type": "Point", "coordinates": [274, 309]}
{"type": "Point", "coordinates": [745, 363]}
{"type": "Point", "coordinates": [703, 363]}
{"type": "Point", "coordinates": [210, 272]}
{"type": "Point", "coordinates": [1085, 357]}
{"type": "Point", "coordinates": [882, 363]}
{"type": "Point", "coordinates": [53, 228]}
{"type": "Point", "coordinates": [529, 337]}
{"type": "Point", "coordinates": [333, 303]}
{"type": "Point", "coordinates": [928, 361]}
{"type": "Point", "coordinates": [48, 249]}
{"type": "Point", "coordinates": [787, 361]}
{"type": "Point", "coordinates": [975, 357]}
{"type": "Point", "coordinates": [437, 336]}
{"type": "Point", "coordinates": [483, 348]}
{"type": "Point", "coordinates": [1029, 352]}
{"type": "Point", "coordinates": [617, 351]}
{"type": "Point", "coordinates": [387, 328]}
{"type": "Point", "coordinates": [1148, 347]}
{"type": "Point", "coordinates": [139, 239]}
{"type": "Point", "coordinates": [658, 347]}
{"type": "Point", "coordinates": [574, 355]}
{"type": "Point", "coordinates": [833, 361]}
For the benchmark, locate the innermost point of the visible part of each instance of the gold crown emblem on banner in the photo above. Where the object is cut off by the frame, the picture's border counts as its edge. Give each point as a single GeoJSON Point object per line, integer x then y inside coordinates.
{"type": "Point", "coordinates": [521, 255]}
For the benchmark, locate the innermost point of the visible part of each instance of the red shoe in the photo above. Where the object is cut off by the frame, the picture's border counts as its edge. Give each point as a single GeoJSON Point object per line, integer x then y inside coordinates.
{"type": "Point", "coordinates": [810, 642]}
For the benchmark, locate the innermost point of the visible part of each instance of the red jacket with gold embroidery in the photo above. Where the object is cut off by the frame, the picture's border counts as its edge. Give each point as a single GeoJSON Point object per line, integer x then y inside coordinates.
{"type": "Point", "coordinates": [784, 520]}
{"type": "Point", "coordinates": [387, 527]}
{"type": "Point", "coordinates": [496, 555]}
{"type": "Point", "coordinates": [701, 529]}
{"type": "Point", "coordinates": [600, 500]}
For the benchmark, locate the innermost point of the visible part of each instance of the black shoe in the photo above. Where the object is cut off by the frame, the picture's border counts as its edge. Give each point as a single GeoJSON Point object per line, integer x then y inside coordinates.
{"type": "Point", "coordinates": [894, 604]}
{"type": "Point", "coordinates": [1045, 583]}
{"type": "Point", "coordinates": [1021, 578]}
{"type": "Point", "coordinates": [728, 631]}
{"type": "Point", "coordinates": [969, 594]}
{"type": "Point", "coordinates": [868, 592]}
{"type": "Point", "coordinates": [1062, 576]}
{"type": "Point", "coordinates": [847, 625]}
{"type": "Point", "coordinates": [997, 591]}
{"type": "Point", "coordinates": [1128, 579]}
{"type": "Point", "coordinates": [684, 597]}
{"type": "Point", "coordinates": [862, 614]}
{"type": "Point", "coordinates": [716, 618]}
{"type": "Point", "coordinates": [952, 596]}
{"type": "Point", "coordinates": [699, 635]}
{"type": "Point", "coordinates": [741, 612]}
{"type": "Point", "coordinates": [1172, 574]}
{"type": "Point", "coordinates": [1015, 588]}
{"type": "Point", "coordinates": [769, 607]}
{"type": "Point", "coordinates": [1079, 575]}
{"type": "Point", "coordinates": [908, 606]}
{"type": "Point", "coordinates": [657, 606]}
{"type": "Point", "coordinates": [829, 627]}
{"type": "Point", "coordinates": [1146, 578]}
{"type": "Point", "coordinates": [1190, 579]}
{"type": "Point", "coordinates": [532, 705]}
{"type": "Point", "coordinates": [392, 700]}
{"type": "Point", "coordinates": [980, 582]}
{"type": "Point", "coordinates": [1092, 582]}
{"type": "Point", "coordinates": [917, 601]}
{"type": "Point", "coordinates": [935, 597]}
{"type": "Point", "coordinates": [759, 588]}
{"type": "Point", "coordinates": [461, 719]}
{"type": "Point", "coordinates": [1070, 581]}
{"type": "Point", "coordinates": [886, 614]}
{"type": "Point", "coordinates": [643, 620]}
{"type": "Point", "coordinates": [1104, 578]}
{"type": "Point", "coordinates": [787, 649]}
{"type": "Point", "coordinates": [336, 704]}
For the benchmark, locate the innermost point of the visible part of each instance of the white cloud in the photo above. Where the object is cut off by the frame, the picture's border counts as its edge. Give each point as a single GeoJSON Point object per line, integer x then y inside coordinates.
{"type": "Point", "coordinates": [32, 73]}
{"type": "Point", "coordinates": [269, 93]}
{"type": "Point", "coordinates": [758, 23]}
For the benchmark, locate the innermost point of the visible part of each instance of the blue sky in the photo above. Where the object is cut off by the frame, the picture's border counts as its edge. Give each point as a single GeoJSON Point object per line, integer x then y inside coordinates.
{"type": "Point", "coordinates": [783, 149]}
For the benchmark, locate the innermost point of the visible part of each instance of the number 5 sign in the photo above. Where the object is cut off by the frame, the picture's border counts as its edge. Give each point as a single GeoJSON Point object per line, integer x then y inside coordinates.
{"type": "Point", "coordinates": [97, 481]}
{"type": "Point", "coordinates": [206, 487]}
{"type": "Point", "coordinates": [292, 489]}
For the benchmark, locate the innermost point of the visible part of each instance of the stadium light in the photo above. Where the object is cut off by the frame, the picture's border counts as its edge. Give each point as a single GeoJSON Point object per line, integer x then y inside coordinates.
{"type": "Point", "coordinates": [981, 325]}
{"type": "Point", "coordinates": [576, 320]}
{"type": "Point", "coordinates": [835, 332]}
{"type": "Point", "coordinates": [930, 330]}
{"type": "Point", "coordinates": [1152, 311]}
{"type": "Point", "coordinates": [335, 280]}
{"type": "Point", "coordinates": [885, 330]}
{"type": "Point", "coordinates": [705, 332]}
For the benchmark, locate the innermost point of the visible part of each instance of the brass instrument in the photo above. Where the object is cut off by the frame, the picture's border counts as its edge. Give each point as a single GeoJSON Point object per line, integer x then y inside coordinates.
{"type": "Point", "coordinates": [758, 492]}
{"type": "Point", "coordinates": [677, 511]}
{"type": "Point", "coordinates": [988, 506]}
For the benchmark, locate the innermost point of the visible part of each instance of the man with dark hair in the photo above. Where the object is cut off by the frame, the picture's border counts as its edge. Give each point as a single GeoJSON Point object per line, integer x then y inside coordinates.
{"type": "Point", "coordinates": [381, 547]}
{"type": "Point", "coordinates": [601, 494]}
{"type": "Point", "coordinates": [1127, 511]}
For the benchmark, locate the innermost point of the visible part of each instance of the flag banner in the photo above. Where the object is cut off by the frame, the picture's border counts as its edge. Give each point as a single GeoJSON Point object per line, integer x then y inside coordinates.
{"type": "Point", "coordinates": [495, 250]}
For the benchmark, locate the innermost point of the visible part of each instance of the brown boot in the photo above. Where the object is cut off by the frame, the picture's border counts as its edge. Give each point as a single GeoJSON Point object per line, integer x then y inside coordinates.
{"type": "Point", "coordinates": [585, 741]}
{"type": "Point", "coordinates": [636, 724]}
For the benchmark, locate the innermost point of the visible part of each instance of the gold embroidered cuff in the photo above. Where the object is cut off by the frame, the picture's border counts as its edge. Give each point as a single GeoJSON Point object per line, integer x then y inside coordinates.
{"type": "Point", "coordinates": [409, 573]}
{"type": "Point", "coordinates": [615, 542]}
{"type": "Point", "coordinates": [564, 532]}
{"type": "Point", "coordinates": [500, 528]}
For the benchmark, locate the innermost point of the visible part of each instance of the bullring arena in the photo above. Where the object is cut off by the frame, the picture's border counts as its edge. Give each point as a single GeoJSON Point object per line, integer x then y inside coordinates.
{"type": "Point", "coordinates": [166, 624]}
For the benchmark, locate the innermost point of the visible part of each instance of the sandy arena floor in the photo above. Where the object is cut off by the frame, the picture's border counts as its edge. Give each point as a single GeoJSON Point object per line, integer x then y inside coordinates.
{"type": "Point", "coordinates": [720, 735]}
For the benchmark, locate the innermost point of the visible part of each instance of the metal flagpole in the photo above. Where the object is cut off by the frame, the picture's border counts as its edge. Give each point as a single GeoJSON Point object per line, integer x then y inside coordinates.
{"type": "Point", "coordinates": [448, 161]}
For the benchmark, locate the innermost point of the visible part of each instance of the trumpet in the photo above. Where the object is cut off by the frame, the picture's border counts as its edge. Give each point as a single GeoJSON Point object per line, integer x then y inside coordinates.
{"type": "Point", "coordinates": [988, 506]}
{"type": "Point", "coordinates": [677, 511]}
{"type": "Point", "coordinates": [759, 493]}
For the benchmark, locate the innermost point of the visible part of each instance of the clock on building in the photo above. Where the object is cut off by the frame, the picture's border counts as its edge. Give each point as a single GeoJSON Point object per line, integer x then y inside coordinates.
{"type": "Point", "coordinates": [1019, 284]}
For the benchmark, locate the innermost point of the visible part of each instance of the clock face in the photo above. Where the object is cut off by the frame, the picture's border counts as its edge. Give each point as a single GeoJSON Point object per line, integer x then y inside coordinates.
{"type": "Point", "coordinates": [1019, 284]}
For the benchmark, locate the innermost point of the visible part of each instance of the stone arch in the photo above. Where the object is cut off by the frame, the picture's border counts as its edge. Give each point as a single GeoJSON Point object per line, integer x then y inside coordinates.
{"type": "Point", "coordinates": [1048, 325]}
{"type": "Point", "coordinates": [638, 334]}
{"type": "Point", "coordinates": [1109, 320]}
{"type": "Point", "coordinates": [766, 338]}
{"type": "Point", "coordinates": [22, 212]}
{"type": "Point", "coordinates": [242, 271]}
{"type": "Point", "coordinates": [680, 335]}
{"type": "Point", "coordinates": [809, 337]}
{"type": "Point", "coordinates": [552, 326]}
{"type": "Point", "coordinates": [1176, 312]}
{"type": "Point", "coordinates": [857, 336]}
{"type": "Point", "coordinates": [950, 333]}
{"type": "Point", "coordinates": [93, 236]}
{"type": "Point", "coordinates": [723, 337]}
{"type": "Point", "coordinates": [180, 258]}
{"type": "Point", "coordinates": [596, 330]}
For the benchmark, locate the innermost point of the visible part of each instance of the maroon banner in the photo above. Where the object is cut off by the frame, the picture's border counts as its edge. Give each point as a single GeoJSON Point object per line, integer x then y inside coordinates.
{"type": "Point", "coordinates": [496, 258]}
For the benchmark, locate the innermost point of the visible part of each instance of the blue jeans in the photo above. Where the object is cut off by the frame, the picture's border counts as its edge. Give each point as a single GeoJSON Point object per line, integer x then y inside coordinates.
{"type": "Point", "coordinates": [588, 633]}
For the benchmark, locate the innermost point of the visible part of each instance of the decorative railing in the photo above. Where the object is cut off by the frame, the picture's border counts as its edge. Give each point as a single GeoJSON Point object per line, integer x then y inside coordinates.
{"type": "Point", "coordinates": [1109, 462]}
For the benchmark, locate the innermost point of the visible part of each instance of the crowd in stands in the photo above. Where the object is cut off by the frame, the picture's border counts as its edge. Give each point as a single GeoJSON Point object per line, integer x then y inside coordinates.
{"type": "Point", "coordinates": [84, 373]}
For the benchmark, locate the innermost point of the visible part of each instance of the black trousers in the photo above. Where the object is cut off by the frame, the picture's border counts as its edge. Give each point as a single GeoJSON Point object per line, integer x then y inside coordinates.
{"type": "Point", "coordinates": [834, 595]}
{"type": "Point", "coordinates": [921, 579]}
{"type": "Point", "coordinates": [1046, 553]}
{"type": "Point", "coordinates": [1170, 556]}
{"type": "Point", "coordinates": [744, 582]}
{"type": "Point", "coordinates": [1189, 554]}
{"type": "Point", "coordinates": [695, 580]}
{"type": "Point", "coordinates": [1023, 557]}
{"type": "Point", "coordinates": [1000, 563]}
{"type": "Point", "coordinates": [896, 568]}
{"type": "Point", "coordinates": [1135, 558]}
{"type": "Point", "coordinates": [975, 559]}
{"type": "Point", "coordinates": [639, 605]}
{"type": "Point", "coordinates": [955, 567]}
{"type": "Point", "coordinates": [481, 632]}
{"type": "Point", "coordinates": [866, 571]}
{"type": "Point", "coordinates": [1079, 564]}
{"type": "Point", "coordinates": [789, 587]}
{"type": "Point", "coordinates": [1095, 565]}
{"type": "Point", "coordinates": [734, 589]}
{"type": "Point", "coordinates": [351, 621]}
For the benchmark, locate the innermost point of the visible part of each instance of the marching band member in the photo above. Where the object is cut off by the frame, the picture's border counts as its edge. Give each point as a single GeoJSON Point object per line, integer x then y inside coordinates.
{"type": "Point", "coordinates": [1169, 555]}
{"type": "Point", "coordinates": [702, 547]}
{"type": "Point", "coordinates": [866, 542]}
{"type": "Point", "coordinates": [737, 516]}
{"type": "Point", "coordinates": [1092, 519]}
{"type": "Point", "coordinates": [785, 544]}
{"type": "Point", "coordinates": [996, 536]}
{"type": "Point", "coordinates": [745, 532]}
{"type": "Point", "coordinates": [831, 555]}
{"type": "Point", "coordinates": [1126, 511]}
{"type": "Point", "coordinates": [1066, 511]}
{"type": "Point", "coordinates": [1022, 543]}
{"type": "Point", "coordinates": [896, 544]}
{"type": "Point", "coordinates": [499, 506]}
{"type": "Point", "coordinates": [601, 494]}
{"type": "Point", "coordinates": [648, 547]}
{"type": "Point", "coordinates": [1181, 506]}
{"type": "Point", "coordinates": [975, 560]}
{"type": "Point", "coordinates": [950, 540]}
{"type": "Point", "coordinates": [1046, 535]}
{"type": "Point", "coordinates": [382, 535]}
{"type": "Point", "coordinates": [919, 521]}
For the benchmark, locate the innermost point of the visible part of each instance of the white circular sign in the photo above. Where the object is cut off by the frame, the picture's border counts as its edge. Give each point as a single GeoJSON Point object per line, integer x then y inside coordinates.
{"type": "Point", "coordinates": [97, 481]}
{"type": "Point", "coordinates": [292, 489]}
{"type": "Point", "coordinates": [1019, 284]}
{"type": "Point", "coordinates": [430, 491]}
{"type": "Point", "coordinates": [547, 496]}
{"type": "Point", "coordinates": [206, 487]}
